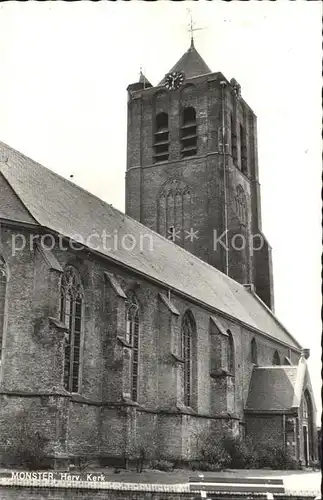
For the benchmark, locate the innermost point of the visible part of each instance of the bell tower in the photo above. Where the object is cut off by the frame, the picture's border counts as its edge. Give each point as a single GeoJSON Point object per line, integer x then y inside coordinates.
{"type": "Point", "coordinates": [192, 169]}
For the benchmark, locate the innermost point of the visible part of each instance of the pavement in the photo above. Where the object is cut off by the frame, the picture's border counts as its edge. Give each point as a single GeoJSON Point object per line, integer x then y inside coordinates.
{"type": "Point", "coordinates": [297, 483]}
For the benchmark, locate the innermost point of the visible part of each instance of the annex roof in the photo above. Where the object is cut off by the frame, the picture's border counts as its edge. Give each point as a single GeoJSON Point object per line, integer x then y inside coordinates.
{"type": "Point", "coordinates": [276, 388]}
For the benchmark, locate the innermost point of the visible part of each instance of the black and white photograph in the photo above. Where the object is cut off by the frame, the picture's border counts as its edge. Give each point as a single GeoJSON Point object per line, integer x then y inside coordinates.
{"type": "Point", "coordinates": [160, 250]}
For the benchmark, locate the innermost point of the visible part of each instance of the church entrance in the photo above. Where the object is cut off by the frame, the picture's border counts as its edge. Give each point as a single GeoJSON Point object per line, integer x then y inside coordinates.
{"type": "Point", "coordinates": [308, 429]}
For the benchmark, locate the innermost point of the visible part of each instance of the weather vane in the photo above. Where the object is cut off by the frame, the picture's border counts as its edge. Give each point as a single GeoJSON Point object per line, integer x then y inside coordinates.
{"type": "Point", "coordinates": [191, 27]}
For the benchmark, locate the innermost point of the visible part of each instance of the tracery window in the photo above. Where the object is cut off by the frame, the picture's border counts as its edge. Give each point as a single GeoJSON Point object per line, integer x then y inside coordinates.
{"type": "Point", "coordinates": [174, 212]}
{"type": "Point", "coordinates": [254, 354]}
{"type": "Point", "coordinates": [188, 132]}
{"type": "Point", "coordinates": [188, 331]}
{"type": "Point", "coordinates": [132, 337]}
{"type": "Point", "coordinates": [71, 313]}
{"type": "Point", "coordinates": [3, 287]}
{"type": "Point", "coordinates": [161, 138]}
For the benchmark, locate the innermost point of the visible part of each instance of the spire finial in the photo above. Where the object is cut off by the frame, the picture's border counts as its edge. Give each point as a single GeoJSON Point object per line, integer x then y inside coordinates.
{"type": "Point", "coordinates": [191, 27]}
{"type": "Point", "coordinates": [142, 78]}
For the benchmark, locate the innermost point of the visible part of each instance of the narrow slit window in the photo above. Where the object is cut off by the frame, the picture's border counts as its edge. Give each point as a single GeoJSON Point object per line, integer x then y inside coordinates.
{"type": "Point", "coordinates": [230, 354]}
{"type": "Point", "coordinates": [276, 358]}
{"type": "Point", "coordinates": [254, 354]}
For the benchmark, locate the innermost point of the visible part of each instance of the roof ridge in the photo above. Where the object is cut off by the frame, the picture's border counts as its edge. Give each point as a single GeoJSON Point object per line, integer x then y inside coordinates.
{"type": "Point", "coordinates": [178, 248]}
{"type": "Point", "coordinates": [235, 294]}
{"type": "Point", "coordinates": [61, 177]}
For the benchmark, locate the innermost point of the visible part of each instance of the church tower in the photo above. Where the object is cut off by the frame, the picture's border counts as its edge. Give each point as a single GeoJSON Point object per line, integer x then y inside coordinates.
{"type": "Point", "coordinates": [192, 169]}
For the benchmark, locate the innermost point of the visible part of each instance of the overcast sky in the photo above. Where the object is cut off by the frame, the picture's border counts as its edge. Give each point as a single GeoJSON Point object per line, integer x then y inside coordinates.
{"type": "Point", "coordinates": [64, 71]}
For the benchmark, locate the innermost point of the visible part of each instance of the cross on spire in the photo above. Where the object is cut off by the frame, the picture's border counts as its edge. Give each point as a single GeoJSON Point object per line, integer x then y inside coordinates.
{"type": "Point", "coordinates": [191, 27]}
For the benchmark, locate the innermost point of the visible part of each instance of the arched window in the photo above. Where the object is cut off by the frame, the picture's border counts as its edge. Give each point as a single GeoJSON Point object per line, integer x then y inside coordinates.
{"type": "Point", "coordinates": [3, 286]}
{"type": "Point", "coordinates": [161, 138]}
{"type": "Point", "coordinates": [233, 140]}
{"type": "Point", "coordinates": [276, 358]}
{"type": "Point", "coordinates": [243, 150]}
{"type": "Point", "coordinates": [188, 330]}
{"type": "Point", "coordinates": [132, 337]}
{"type": "Point", "coordinates": [254, 354]}
{"type": "Point", "coordinates": [230, 353]}
{"type": "Point", "coordinates": [71, 313]}
{"type": "Point", "coordinates": [188, 132]}
{"type": "Point", "coordinates": [174, 211]}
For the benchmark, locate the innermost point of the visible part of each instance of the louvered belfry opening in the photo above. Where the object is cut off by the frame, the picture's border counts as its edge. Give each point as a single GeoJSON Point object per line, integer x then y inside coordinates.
{"type": "Point", "coordinates": [161, 138]}
{"type": "Point", "coordinates": [188, 133]}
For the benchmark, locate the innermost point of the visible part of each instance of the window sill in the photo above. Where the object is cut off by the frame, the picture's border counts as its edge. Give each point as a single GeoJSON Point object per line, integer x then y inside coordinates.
{"type": "Point", "coordinates": [128, 401]}
{"type": "Point", "coordinates": [221, 373]}
{"type": "Point", "coordinates": [123, 342]}
{"type": "Point", "coordinates": [186, 410]}
{"type": "Point", "coordinates": [59, 324]}
{"type": "Point", "coordinates": [177, 359]}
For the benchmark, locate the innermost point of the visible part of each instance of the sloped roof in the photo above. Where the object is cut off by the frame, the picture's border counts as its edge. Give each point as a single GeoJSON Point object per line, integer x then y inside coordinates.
{"type": "Point", "coordinates": [144, 80]}
{"type": "Point", "coordinates": [191, 64]}
{"type": "Point", "coordinates": [62, 206]}
{"type": "Point", "coordinates": [276, 388]}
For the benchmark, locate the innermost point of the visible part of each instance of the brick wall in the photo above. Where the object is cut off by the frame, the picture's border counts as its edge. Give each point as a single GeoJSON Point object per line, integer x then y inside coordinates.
{"type": "Point", "coordinates": [202, 173]}
{"type": "Point", "coordinates": [98, 421]}
{"type": "Point", "coordinates": [265, 430]}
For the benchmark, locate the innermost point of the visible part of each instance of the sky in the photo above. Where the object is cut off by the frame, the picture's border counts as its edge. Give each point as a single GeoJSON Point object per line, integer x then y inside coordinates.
{"type": "Point", "coordinates": [64, 72]}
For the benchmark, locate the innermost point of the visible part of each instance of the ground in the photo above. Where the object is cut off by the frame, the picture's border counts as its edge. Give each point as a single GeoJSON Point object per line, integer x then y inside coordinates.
{"type": "Point", "coordinates": [295, 482]}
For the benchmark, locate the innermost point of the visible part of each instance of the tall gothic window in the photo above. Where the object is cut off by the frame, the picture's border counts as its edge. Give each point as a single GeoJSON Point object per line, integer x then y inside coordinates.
{"type": "Point", "coordinates": [71, 313]}
{"type": "Point", "coordinates": [243, 150]}
{"type": "Point", "coordinates": [188, 331]}
{"type": "Point", "coordinates": [3, 286]}
{"type": "Point", "coordinates": [254, 354]}
{"type": "Point", "coordinates": [161, 138]}
{"type": "Point", "coordinates": [188, 132]}
{"type": "Point", "coordinates": [132, 337]}
{"type": "Point", "coordinates": [233, 140]}
{"type": "Point", "coordinates": [230, 353]}
{"type": "Point", "coordinates": [276, 358]}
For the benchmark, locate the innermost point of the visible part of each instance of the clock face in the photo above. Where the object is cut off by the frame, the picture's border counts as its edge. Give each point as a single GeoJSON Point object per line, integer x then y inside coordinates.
{"type": "Point", "coordinates": [174, 80]}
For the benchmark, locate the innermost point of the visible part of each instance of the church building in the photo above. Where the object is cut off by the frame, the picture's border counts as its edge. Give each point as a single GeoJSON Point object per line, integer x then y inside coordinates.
{"type": "Point", "coordinates": [147, 329]}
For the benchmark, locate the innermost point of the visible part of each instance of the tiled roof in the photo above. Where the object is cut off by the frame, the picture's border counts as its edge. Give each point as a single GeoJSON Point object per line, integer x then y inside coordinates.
{"type": "Point", "coordinates": [191, 64]}
{"type": "Point", "coordinates": [273, 388]}
{"type": "Point", "coordinates": [62, 206]}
